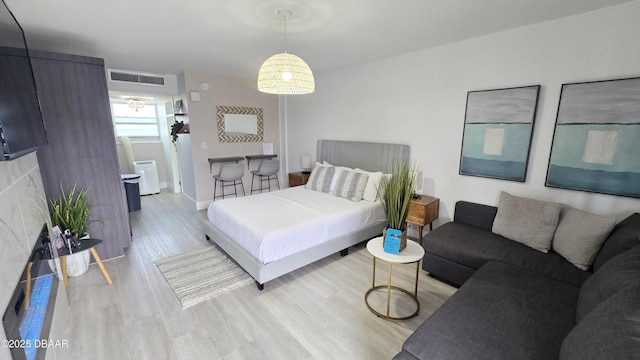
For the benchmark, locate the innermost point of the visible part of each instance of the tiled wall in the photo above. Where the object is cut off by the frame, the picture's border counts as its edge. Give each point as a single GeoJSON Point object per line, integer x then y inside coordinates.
{"type": "Point", "coordinates": [22, 214]}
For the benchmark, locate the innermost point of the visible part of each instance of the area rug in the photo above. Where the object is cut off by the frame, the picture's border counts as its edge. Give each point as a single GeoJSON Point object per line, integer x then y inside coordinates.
{"type": "Point", "coordinates": [202, 275]}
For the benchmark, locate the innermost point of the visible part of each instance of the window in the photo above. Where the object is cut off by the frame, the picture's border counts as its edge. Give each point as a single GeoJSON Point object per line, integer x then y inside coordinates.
{"type": "Point", "coordinates": [135, 123]}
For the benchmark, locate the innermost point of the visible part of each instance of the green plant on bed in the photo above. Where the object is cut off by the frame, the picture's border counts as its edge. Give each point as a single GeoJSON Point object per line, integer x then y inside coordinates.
{"type": "Point", "coordinates": [396, 192]}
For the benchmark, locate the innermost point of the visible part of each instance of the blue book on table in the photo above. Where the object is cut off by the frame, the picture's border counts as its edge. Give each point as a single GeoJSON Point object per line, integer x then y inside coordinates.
{"type": "Point", "coordinates": [392, 241]}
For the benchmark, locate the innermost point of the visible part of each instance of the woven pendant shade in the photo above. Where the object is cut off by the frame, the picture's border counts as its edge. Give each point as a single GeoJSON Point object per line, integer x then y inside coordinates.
{"type": "Point", "coordinates": [285, 74]}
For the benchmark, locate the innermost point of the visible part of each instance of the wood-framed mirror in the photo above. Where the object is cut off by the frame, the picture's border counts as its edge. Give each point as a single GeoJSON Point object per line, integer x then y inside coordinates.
{"type": "Point", "coordinates": [239, 124]}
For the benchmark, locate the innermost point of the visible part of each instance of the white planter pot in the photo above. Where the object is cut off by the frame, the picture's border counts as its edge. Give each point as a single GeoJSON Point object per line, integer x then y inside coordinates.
{"type": "Point", "coordinates": [77, 264]}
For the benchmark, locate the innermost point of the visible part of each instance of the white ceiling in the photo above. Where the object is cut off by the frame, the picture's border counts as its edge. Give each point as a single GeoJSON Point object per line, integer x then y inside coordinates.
{"type": "Point", "coordinates": [234, 37]}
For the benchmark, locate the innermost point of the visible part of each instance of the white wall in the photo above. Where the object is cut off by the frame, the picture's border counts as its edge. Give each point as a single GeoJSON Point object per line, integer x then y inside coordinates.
{"type": "Point", "coordinates": [170, 150]}
{"type": "Point", "coordinates": [419, 99]}
{"type": "Point", "coordinates": [185, 164]}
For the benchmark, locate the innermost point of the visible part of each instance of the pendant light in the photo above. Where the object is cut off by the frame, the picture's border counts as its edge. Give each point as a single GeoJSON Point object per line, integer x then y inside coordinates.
{"type": "Point", "coordinates": [135, 103]}
{"type": "Point", "coordinates": [284, 73]}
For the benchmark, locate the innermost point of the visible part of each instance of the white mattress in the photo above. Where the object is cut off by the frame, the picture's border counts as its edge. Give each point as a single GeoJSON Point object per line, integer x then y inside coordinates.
{"type": "Point", "coordinates": [271, 226]}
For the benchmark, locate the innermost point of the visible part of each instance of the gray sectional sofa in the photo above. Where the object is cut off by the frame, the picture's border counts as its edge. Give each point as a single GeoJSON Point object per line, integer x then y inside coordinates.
{"type": "Point", "coordinates": [516, 302]}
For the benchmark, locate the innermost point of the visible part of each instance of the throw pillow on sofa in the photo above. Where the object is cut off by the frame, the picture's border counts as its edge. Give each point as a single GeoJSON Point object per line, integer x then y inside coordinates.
{"type": "Point", "coordinates": [527, 221]}
{"type": "Point", "coordinates": [580, 235]}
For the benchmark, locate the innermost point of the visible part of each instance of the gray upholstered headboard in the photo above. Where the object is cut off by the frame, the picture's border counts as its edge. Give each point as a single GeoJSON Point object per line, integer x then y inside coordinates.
{"type": "Point", "coordinates": [364, 155]}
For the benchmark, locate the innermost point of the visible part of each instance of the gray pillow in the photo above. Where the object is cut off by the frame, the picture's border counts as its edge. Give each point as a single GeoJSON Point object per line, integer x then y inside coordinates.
{"type": "Point", "coordinates": [527, 221]}
{"type": "Point", "coordinates": [611, 331]}
{"type": "Point", "coordinates": [351, 185]}
{"type": "Point", "coordinates": [618, 273]}
{"type": "Point", "coordinates": [320, 178]}
{"type": "Point", "coordinates": [580, 235]}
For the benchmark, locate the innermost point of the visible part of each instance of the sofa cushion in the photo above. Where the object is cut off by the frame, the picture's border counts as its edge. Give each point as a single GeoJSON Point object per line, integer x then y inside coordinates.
{"type": "Point", "coordinates": [475, 214]}
{"type": "Point", "coordinates": [611, 331]}
{"type": "Point", "coordinates": [623, 237]}
{"type": "Point", "coordinates": [527, 221]}
{"type": "Point", "coordinates": [501, 312]}
{"type": "Point", "coordinates": [445, 270]}
{"type": "Point", "coordinates": [473, 247]}
{"type": "Point", "coordinates": [580, 235]}
{"type": "Point", "coordinates": [616, 274]}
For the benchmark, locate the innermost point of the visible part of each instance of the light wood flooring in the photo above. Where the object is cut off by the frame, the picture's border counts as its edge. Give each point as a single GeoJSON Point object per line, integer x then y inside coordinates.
{"type": "Point", "coordinates": [317, 312]}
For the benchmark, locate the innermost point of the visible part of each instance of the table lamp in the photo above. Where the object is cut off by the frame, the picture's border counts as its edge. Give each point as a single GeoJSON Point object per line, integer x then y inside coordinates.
{"type": "Point", "coordinates": [305, 164]}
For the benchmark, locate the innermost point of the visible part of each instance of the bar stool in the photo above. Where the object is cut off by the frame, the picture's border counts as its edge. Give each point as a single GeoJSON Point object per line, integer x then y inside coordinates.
{"type": "Point", "coordinates": [230, 175]}
{"type": "Point", "coordinates": [267, 171]}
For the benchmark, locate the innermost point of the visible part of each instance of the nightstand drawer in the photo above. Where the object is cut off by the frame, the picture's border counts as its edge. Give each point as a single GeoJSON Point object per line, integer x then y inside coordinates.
{"type": "Point", "coordinates": [424, 210]}
{"type": "Point", "coordinates": [297, 179]}
{"type": "Point", "coordinates": [417, 213]}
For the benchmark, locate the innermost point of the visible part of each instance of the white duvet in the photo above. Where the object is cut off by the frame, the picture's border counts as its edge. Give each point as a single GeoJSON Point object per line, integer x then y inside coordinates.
{"type": "Point", "coordinates": [274, 225]}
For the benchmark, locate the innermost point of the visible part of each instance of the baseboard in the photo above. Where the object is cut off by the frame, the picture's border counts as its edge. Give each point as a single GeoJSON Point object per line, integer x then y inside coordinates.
{"type": "Point", "coordinates": [201, 205]}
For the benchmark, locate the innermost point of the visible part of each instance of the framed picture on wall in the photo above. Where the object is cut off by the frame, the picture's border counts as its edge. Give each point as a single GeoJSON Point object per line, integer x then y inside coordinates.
{"type": "Point", "coordinates": [498, 126]}
{"type": "Point", "coordinates": [596, 141]}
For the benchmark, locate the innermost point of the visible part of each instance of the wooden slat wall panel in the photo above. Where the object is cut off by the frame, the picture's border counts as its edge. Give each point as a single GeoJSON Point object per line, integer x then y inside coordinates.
{"type": "Point", "coordinates": [82, 150]}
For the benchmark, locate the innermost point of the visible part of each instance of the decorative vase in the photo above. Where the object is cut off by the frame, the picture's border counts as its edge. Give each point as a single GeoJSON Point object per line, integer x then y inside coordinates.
{"type": "Point", "coordinates": [395, 246]}
{"type": "Point", "coordinates": [78, 264]}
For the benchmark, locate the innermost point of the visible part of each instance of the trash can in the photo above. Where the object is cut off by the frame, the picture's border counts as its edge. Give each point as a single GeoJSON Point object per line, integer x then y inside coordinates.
{"type": "Point", "coordinates": [132, 189]}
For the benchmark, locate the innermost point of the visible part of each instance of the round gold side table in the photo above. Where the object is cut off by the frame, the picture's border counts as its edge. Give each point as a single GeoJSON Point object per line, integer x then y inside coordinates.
{"type": "Point", "coordinates": [413, 253]}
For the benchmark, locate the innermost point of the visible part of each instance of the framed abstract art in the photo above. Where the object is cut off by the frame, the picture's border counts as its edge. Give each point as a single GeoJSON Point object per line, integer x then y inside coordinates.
{"type": "Point", "coordinates": [498, 126]}
{"type": "Point", "coordinates": [596, 141]}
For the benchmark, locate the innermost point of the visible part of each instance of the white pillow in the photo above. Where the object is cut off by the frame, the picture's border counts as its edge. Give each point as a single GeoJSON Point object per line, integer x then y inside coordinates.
{"type": "Point", "coordinates": [371, 191]}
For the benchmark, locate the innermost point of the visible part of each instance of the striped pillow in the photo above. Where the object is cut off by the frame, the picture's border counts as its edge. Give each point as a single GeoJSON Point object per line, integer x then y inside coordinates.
{"type": "Point", "coordinates": [351, 185]}
{"type": "Point", "coordinates": [320, 178]}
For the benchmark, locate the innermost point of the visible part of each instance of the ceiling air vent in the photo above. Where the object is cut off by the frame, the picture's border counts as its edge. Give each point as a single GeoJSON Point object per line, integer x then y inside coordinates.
{"type": "Point", "coordinates": [136, 78]}
{"type": "Point", "coordinates": [154, 80]}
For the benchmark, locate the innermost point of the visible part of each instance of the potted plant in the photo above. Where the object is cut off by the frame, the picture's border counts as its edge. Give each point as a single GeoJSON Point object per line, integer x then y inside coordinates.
{"type": "Point", "coordinates": [395, 193]}
{"type": "Point", "coordinates": [176, 128]}
{"type": "Point", "coordinates": [71, 211]}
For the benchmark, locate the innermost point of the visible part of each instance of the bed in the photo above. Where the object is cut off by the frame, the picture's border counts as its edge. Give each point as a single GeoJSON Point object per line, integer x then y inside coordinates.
{"type": "Point", "coordinates": [272, 234]}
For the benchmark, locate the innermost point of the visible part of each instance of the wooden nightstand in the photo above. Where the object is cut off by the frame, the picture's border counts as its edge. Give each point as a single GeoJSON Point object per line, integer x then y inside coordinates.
{"type": "Point", "coordinates": [298, 178]}
{"type": "Point", "coordinates": [423, 211]}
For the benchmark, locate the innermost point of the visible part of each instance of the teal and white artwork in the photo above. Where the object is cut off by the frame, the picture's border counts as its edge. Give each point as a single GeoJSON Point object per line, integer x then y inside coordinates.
{"type": "Point", "coordinates": [497, 132]}
{"type": "Point", "coordinates": [596, 143]}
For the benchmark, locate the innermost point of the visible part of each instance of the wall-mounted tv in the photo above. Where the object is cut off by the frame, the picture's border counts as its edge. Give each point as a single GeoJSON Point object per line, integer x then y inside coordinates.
{"type": "Point", "coordinates": [21, 126]}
